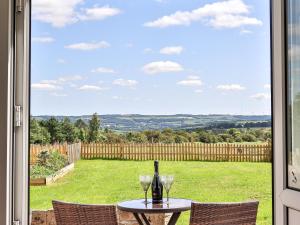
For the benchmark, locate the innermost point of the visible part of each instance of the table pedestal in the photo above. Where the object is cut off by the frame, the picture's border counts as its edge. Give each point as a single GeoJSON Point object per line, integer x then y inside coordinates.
{"type": "Point", "coordinates": [142, 219]}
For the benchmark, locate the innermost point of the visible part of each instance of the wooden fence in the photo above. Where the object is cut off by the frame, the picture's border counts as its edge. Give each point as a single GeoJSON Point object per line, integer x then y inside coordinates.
{"type": "Point", "coordinates": [71, 151]}
{"type": "Point", "coordinates": [180, 152]}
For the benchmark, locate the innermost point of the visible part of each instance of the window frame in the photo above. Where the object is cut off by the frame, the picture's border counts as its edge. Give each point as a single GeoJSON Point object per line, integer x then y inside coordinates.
{"type": "Point", "coordinates": [20, 172]}
{"type": "Point", "coordinates": [6, 109]}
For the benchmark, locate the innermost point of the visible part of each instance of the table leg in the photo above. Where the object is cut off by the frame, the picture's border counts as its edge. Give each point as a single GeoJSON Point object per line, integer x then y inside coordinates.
{"type": "Point", "coordinates": [142, 220]}
{"type": "Point", "coordinates": [174, 218]}
{"type": "Point", "coordinates": [138, 219]}
{"type": "Point", "coordinates": [145, 219]}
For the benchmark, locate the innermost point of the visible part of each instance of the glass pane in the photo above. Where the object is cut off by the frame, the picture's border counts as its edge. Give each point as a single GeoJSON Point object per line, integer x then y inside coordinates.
{"type": "Point", "coordinates": [293, 93]}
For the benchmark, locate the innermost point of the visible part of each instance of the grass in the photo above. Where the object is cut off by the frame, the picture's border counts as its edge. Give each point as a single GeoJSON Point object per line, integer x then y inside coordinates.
{"type": "Point", "coordinates": [112, 181]}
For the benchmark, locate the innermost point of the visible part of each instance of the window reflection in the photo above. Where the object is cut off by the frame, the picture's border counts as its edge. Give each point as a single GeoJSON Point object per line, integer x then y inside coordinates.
{"type": "Point", "coordinates": [293, 89]}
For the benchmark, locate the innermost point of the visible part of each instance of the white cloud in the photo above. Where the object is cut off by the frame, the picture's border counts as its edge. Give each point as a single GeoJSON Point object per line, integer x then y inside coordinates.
{"type": "Point", "coordinates": [45, 86]}
{"type": "Point", "coordinates": [230, 87]}
{"type": "Point", "coordinates": [171, 50]}
{"type": "Point", "coordinates": [43, 39]}
{"type": "Point", "coordinates": [245, 31]}
{"type": "Point", "coordinates": [192, 81]}
{"type": "Point", "coordinates": [103, 70]}
{"type": "Point", "coordinates": [148, 50]}
{"type": "Point", "coordinates": [58, 94]}
{"type": "Point", "coordinates": [117, 97]}
{"type": "Point", "coordinates": [193, 77]}
{"type": "Point", "coordinates": [90, 88]}
{"type": "Point", "coordinates": [69, 78]}
{"type": "Point", "coordinates": [63, 80]}
{"type": "Point", "coordinates": [60, 13]}
{"type": "Point", "coordinates": [57, 84]}
{"type": "Point", "coordinates": [61, 61]}
{"type": "Point", "coordinates": [267, 86]}
{"type": "Point", "coordinates": [125, 83]}
{"type": "Point", "coordinates": [84, 46]}
{"type": "Point", "coordinates": [261, 96]}
{"type": "Point", "coordinates": [224, 14]}
{"type": "Point", "coordinates": [72, 85]}
{"type": "Point", "coordinates": [162, 67]}
{"type": "Point", "coordinates": [99, 13]}
{"type": "Point", "coordinates": [198, 91]}
{"type": "Point", "coordinates": [233, 21]}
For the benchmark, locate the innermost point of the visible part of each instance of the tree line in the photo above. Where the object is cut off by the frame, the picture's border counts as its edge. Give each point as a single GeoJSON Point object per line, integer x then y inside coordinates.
{"type": "Point", "coordinates": [54, 131]}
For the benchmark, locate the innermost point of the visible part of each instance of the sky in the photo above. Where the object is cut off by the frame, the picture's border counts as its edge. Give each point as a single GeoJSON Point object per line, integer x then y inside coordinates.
{"type": "Point", "coordinates": [150, 57]}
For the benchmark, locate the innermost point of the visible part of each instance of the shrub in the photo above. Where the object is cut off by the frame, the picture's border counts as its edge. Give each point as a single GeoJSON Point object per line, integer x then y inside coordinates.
{"type": "Point", "coordinates": [47, 164]}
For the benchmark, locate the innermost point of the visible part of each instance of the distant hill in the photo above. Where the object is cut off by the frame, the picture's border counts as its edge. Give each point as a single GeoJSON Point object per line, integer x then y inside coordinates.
{"type": "Point", "coordinates": [136, 122]}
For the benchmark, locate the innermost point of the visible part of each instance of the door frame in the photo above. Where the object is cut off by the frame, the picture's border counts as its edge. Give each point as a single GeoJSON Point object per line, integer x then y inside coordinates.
{"type": "Point", "coordinates": [6, 109]}
{"type": "Point", "coordinates": [283, 197]}
{"type": "Point", "coordinates": [20, 209]}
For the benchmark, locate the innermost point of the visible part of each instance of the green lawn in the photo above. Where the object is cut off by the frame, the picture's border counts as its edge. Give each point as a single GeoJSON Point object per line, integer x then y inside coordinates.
{"type": "Point", "coordinates": [111, 181]}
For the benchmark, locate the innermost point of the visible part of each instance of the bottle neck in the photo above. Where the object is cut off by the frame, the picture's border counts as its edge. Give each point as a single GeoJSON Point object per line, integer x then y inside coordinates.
{"type": "Point", "coordinates": [156, 167]}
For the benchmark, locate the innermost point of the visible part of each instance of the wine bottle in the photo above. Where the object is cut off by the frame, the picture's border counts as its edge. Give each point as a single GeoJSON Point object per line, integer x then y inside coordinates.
{"type": "Point", "coordinates": [157, 187]}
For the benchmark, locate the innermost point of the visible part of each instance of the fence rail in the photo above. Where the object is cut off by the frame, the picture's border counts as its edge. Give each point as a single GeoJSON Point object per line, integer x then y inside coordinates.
{"type": "Point", "coordinates": [71, 151]}
{"type": "Point", "coordinates": [179, 152]}
{"type": "Point", "coordinates": [169, 152]}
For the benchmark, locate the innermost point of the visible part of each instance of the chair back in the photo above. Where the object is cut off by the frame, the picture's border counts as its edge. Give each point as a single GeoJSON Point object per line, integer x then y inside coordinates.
{"type": "Point", "coordinates": [224, 213]}
{"type": "Point", "coordinates": [78, 214]}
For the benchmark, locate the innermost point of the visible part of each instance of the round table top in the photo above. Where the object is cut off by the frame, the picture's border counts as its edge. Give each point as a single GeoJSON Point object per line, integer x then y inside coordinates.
{"type": "Point", "coordinates": [139, 206]}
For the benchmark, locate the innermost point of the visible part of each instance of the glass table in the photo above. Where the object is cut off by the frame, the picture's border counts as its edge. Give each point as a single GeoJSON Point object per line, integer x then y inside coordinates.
{"type": "Point", "coordinates": [138, 208]}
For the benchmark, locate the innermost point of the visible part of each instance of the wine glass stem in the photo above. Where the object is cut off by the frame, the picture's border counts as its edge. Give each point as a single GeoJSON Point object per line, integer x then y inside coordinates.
{"type": "Point", "coordinates": [167, 196]}
{"type": "Point", "coordinates": [146, 197]}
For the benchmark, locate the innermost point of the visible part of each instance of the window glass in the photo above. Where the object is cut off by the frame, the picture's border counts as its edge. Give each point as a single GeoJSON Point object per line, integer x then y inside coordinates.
{"type": "Point", "coordinates": [293, 93]}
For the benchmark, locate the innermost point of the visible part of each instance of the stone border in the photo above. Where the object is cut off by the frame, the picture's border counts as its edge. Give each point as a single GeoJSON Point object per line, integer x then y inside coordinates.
{"type": "Point", "coordinates": [51, 179]}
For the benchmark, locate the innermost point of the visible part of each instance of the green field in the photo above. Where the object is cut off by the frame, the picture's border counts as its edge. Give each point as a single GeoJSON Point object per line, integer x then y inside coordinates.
{"type": "Point", "coordinates": [111, 181]}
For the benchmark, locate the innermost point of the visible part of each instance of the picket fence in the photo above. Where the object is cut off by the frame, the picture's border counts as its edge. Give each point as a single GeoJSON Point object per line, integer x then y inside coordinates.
{"type": "Point", "coordinates": [71, 151]}
{"type": "Point", "coordinates": [179, 152]}
{"type": "Point", "coordinates": [169, 152]}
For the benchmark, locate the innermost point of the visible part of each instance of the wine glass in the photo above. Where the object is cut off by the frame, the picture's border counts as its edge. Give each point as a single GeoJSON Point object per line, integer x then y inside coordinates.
{"type": "Point", "coordinates": [167, 182]}
{"type": "Point", "coordinates": [145, 181]}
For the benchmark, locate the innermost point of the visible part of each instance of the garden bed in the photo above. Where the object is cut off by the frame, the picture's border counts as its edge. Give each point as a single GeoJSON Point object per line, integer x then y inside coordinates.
{"type": "Point", "coordinates": [52, 178]}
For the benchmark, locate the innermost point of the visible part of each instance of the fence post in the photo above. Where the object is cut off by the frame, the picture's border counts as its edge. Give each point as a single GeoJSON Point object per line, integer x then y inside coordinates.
{"type": "Point", "coordinates": [270, 152]}
{"type": "Point", "coordinates": [121, 150]}
{"type": "Point", "coordinates": [228, 151]}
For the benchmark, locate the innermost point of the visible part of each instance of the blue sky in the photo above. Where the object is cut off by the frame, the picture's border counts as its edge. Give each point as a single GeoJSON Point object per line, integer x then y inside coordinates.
{"type": "Point", "coordinates": [150, 57]}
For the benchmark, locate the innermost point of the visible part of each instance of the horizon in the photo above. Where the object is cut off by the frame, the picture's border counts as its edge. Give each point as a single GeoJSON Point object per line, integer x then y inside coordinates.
{"type": "Point", "coordinates": [132, 114]}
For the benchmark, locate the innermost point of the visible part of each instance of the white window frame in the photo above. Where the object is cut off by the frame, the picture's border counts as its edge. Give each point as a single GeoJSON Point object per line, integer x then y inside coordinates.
{"type": "Point", "coordinates": [283, 197]}
{"type": "Point", "coordinates": [21, 98]}
{"type": "Point", "coordinates": [6, 109]}
{"type": "Point", "coordinates": [14, 90]}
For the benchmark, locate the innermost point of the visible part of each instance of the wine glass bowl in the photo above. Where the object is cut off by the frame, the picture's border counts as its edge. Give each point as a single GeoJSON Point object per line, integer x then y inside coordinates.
{"type": "Point", "coordinates": [145, 181]}
{"type": "Point", "coordinates": [167, 182]}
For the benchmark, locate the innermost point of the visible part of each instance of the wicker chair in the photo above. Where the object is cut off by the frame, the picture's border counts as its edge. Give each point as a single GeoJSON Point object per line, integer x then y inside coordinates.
{"type": "Point", "coordinates": [77, 214]}
{"type": "Point", "coordinates": [224, 213]}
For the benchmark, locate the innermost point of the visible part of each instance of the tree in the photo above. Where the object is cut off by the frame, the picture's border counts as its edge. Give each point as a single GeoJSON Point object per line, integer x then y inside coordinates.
{"type": "Point", "coordinates": [81, 134]}
{"type": "Point", "coordinates": [80, 124]}
{"type": "Point", "coordinates": [68, 130]}
{"type": "Point", "coordinates": [249, 137]}
{"type": "Point", "coordinates": [94, 127]}
{"type": "Point", "coordinates": [153, 136]}
{"type": "Point", "coordinates": [54, 128]}
{"type": "Point", "coordinates": [112, 137]}
{"type": "Point", "coordinates": [38, 134]}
